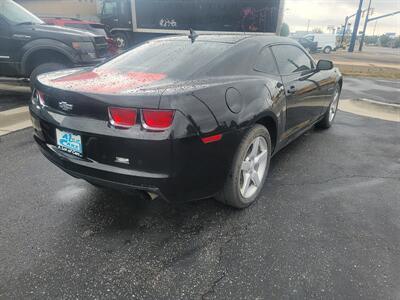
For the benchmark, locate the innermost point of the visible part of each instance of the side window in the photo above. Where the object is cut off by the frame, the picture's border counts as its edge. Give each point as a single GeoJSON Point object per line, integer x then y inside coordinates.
{"type": "Point", "coordinates": [291, 59]}
{"type": "Point", "coordinates": [265, 62]}
{"type": "Point", "coordinates": [110, 8]}
{"type": "Point", "coordinates": [310, 38]}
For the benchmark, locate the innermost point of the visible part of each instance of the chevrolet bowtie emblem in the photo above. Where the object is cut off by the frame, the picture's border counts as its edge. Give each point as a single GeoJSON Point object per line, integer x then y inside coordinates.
{"type": "Point", "coordinates": [65, 106]}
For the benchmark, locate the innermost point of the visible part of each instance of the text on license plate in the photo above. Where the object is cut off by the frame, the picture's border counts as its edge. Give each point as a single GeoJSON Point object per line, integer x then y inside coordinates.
{"type": "Point", "coordinates": [69, 142]}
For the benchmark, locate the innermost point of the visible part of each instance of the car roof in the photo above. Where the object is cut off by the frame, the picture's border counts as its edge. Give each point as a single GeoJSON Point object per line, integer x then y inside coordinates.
{"type": "Point", "coordinates": [216, 38]}
{"type": "Point", "coordinates": [265, 40]}
{"type": "Point", "coordinates": [262, 39]}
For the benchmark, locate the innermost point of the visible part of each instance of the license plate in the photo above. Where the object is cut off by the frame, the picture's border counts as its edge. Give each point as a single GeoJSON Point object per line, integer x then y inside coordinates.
{"type": "Point", "coordinates": [69, 142]}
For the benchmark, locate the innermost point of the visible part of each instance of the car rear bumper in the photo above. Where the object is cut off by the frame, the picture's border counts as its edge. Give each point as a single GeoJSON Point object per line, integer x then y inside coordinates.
{"type": "Point", "coordinates": [177, 170]}
{"type": "Point", "coordinates": [105, 175]}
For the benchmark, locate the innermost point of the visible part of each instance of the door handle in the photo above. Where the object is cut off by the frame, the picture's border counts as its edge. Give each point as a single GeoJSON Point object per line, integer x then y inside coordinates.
{"type": "Point", "coordinates": [291, 90]}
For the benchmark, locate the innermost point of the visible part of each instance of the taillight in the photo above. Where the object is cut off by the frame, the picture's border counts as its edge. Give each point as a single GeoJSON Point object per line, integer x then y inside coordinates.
{"type": "Point", "coordinates": [157, 119]}
{"type": "Point", "coordinates": [122, 117]}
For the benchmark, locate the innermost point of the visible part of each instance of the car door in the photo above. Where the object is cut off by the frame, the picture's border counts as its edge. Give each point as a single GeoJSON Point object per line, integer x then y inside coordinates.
{"type": "Point", "coordinates": [125, 14]}
{"type": "Point", "coordinates": [304, 97]}
{"type": "Point", "coordinates": [109, 14]}
{"type": "Point", "coordinates": [6, 67]}
{"type": "Point", "coordinates": [116, 14]}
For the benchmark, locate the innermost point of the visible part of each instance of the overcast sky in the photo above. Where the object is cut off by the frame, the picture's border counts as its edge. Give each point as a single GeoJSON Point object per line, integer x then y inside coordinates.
{"type": "Point", "coordinates": [323, 13]}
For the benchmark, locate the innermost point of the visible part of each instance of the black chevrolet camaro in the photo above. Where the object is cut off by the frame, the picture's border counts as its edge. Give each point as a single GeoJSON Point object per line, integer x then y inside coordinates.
{"type": "Point", "coordinates": [185, 119]}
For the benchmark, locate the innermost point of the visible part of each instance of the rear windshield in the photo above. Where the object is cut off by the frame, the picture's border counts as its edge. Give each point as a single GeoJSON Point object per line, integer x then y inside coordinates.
{"type": "Point", "coordinates": [176, 59]}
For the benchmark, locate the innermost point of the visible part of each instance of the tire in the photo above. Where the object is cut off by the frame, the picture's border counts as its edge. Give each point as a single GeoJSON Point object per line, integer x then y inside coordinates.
{"type": "Point", "coordinates": [330, 114]}
{"type": "Point", "coordinates": [234, 193]}
{"type": "Point", "coordinates": [327, 49]}
{"type": "Point", "coordinates": [44, 68]}
{"type": "Point", "coordinates": [122, 40]}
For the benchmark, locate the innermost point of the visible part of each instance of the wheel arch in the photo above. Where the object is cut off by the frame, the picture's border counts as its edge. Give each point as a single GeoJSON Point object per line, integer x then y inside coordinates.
{"type": "Point", "coordinates": [269, 121]}
{"type": "Point", "coordinates": [46, 52]}
{"type": "Point", "coordinates": [119, 29]}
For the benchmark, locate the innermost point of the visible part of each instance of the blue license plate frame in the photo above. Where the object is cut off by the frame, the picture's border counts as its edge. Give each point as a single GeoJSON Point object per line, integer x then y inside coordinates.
{"type": "Point", "coordinates": [69, 142]}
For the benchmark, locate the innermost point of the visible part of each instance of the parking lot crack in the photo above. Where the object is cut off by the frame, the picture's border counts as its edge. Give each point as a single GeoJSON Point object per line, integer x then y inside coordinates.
{"type": "Point", "coordinates": [211, 290]}
{"type": "Point", "coordinates": [223, 271]}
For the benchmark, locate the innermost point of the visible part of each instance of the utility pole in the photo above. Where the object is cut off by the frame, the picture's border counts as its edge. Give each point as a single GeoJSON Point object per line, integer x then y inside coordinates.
{"type": "Point", "coordinates": [355, 30]}
{"type": "Point", "coordinates": [308, 25]}
{"type": "Point", "coordinates": [346, 21]}
{"type": "Point", "coordinates": [365, 27]}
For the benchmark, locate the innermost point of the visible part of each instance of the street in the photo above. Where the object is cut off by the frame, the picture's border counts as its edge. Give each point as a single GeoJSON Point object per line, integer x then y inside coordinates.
{"type": "Point", "coordinates": [326, 226]}
{"type": "Point", "coordinates": [370, 54]}
{"type": "Point", "coordinates": [376, 62]}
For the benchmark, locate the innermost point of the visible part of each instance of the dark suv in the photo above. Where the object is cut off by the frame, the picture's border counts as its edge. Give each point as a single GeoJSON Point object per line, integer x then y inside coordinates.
{"type": "Point", "coordinates": [29, 47]}
{"type": "Point", "coordinates": [93, 27]}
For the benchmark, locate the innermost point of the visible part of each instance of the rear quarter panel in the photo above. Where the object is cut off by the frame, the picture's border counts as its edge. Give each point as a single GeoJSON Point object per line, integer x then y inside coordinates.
{"type": "Point", "coordinates": [205, 104]}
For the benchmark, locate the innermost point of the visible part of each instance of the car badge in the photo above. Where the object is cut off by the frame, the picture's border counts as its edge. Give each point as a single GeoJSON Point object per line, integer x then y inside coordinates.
{"type": "Point", "coordinates": [65, 106]}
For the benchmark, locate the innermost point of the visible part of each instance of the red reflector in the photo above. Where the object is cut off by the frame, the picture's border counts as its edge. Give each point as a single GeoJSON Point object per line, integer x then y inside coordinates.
{"type": "Point", "coordinates": [122, 117]}
{"type": "Point", "coordinates": [211, 139]}
{"type": "Point", "coordinates": [158, 119]}
{"type": "Point", "coordinates": [38, 98]}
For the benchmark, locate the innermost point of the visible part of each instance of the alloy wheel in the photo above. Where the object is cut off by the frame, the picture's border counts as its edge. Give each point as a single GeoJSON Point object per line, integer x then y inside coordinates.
{"type": "Point", "coordinates": [253, 167]}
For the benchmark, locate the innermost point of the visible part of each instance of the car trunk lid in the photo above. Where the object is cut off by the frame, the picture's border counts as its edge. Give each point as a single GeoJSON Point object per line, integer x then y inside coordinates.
{"type": "Point", "coordinates": [88, 92]}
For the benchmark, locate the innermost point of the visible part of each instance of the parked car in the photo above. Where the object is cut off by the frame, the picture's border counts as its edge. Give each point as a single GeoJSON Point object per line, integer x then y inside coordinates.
{"type": "Point", "coordinates": [93, 27]}
{"type": "Point", "coordinates": [309, 45]}
{"type": "Point", "coordinates": [29, 47]}
{"type": "Point", "coordinates": [325, 42]}
{"type": "Point", "coordinates": [185, 118]}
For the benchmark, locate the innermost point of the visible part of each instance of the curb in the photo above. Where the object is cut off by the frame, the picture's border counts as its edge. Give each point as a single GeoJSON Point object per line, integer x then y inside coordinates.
{"type": "Point", "coordinates": [371, 108]}
{"type": "Point", "coordinates": [14, 120]}
{"type": "Point", "coordinates": [14, 81]}
{"type": "Point", "coordinates": [380, 105]}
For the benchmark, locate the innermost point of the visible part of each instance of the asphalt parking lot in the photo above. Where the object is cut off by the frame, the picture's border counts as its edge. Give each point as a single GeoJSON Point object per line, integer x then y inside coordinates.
{"type": "Point", "coordinates": [326, 226]}
{"type": "Point", "coordinates": [12, 96]}
{"type": "Point", "coordinates": [382, 90]}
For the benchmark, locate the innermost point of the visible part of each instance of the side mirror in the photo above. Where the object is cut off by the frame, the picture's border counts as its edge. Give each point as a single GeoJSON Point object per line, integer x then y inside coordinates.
{"type": "Point", "coordinates": [324, 65]}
